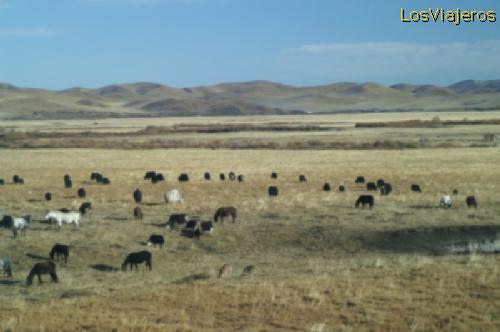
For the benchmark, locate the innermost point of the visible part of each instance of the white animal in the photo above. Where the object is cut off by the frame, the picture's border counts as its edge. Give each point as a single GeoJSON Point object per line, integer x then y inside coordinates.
{"type": "Point", "coordinates": [19, 224]}
{"type": "Point", "coordinates": [64, 217]}
{"type": "Point", "coordinates": [446, 201]}
{"type": "Point", "coordinates": [173, 196]}
{"type": "Point", "coordinates": [5, 265]}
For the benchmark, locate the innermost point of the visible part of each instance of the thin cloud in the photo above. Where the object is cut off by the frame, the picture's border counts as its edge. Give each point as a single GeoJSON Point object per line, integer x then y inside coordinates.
{"type": "Point", "coordinates": [26, 32]}
{"type": "Point", "coordinates": [4, 4]}
{"type": "Point", "coordinates": [393, 61]}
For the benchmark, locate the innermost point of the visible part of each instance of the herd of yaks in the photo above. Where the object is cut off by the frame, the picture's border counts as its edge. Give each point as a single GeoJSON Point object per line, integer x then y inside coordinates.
{"type": "Point", "coordinates": [192, 228]}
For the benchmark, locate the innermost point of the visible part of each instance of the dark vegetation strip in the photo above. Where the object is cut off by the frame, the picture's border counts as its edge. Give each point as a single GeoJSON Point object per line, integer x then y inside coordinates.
{"type": "Point", "coordinates": [426, 123]}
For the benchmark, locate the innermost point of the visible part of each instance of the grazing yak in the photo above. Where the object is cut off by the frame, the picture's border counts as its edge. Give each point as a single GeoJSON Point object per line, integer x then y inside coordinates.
{"type": "Point", "coordinates": [241, 178]}
{"type": "Point", "coordinates": [446, 201]}
{"type": "Point", "coordinates": [2, 182]}
{"type": "Point", "coordinates": [138, 213]}
{"type": "Point", "coordinates": [137, 196]}
{"type": "Point", "coordinates": [223, 212]}
{"type": "Point", "coordinates": [16, 179]}
{"type": "Point", "coordinates": [274, 175]}
{"type": "Point", "coordinates": [177, 219]}
{"type": "Point", "coordinates": [158, 178]}
{"type": "Point", "coordinates": [207, 176]}
{"type": "Point", "coordinates": [81, 193]}
{"type": "Point", "coordinates": [173, 196]}
{"type": "Point", "coordinates": [38, 269]}
{"type": "Point", "coordinates": [48, 196]}
{"type": "Point", "coordinates": [183, 177]}
{"type": "Point", "coordinates": [95, 176]}
{"type": "Point", "coordinates": [156, 240]}
{"type": "Point", "coordinates": [6, 266]}
{"type": "Point", "coordinates": [59, 250]}
{"type": "Point", "coordinates": [149, 175]}
{"type": "Point", "coordinates": [135, 258]}
{"type": "Point", "coordinates": [273, 191]}
{"type": "Point", "coordinates": [386, 189]}
{"type": "Point", "coordinates": [416, 188]}
{"type": "Point", "coordinates": [370, 186]}
{"type": "Point", "coordinates": [327, 187]}
{"type": "Point", "coordinates": [232, 176]}
{"type": "Point", "coordinates": [380, 183]}
{"type": "Point", "coordinates": [225, 271]}
{"type": "Point", "coordinates": [341, 188]}
{"type": "Point", "coordinates": [302, 178]}
{"type": "Point", "coordinates": [68, 183]}
{"type": "Point", "coordinates": [471, 201]}
{"type": "Point", "coordinates": [105, 181]}
{"type": "Point", "coordinates": [360, 180]}
{"type": "Point", "coordinates": [365, 200]}
{"type": "Point", "coordinates": [84, 207]}
{"type": "Point", "coordinates": [222, 177]}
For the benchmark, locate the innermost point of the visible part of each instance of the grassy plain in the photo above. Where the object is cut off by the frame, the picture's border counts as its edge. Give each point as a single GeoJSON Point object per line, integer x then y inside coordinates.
{"type": "Point", "coordinates": [320, 264]}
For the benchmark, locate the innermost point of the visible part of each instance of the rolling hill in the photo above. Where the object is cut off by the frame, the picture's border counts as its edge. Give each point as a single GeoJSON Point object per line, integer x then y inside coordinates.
{"type": "Point", "coordinates": [146, 99]}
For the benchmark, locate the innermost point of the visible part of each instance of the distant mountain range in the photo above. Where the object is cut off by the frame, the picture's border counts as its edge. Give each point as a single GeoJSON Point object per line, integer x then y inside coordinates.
{"type": "Point", "coordinates": [247, 98]}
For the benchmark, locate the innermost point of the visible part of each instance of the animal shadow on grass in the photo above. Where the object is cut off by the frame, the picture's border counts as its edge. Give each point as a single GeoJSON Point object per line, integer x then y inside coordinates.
{"type": "Point", "coordinates": [160, 225]}
{"type": "Point", "coordinates": [424, 207]}
{"type": "Point", "coordinates": [104, 268]}
{"type": "Point", "coordinates": [115, 218]}
{"type": "Point", "coordinates": [153, 204]}
{"type": "Point", "coordinates": [34, 200]}
{"type": "Point", "coordinates": [9, 282]}
{"type": "Point", "coordinates": [37, 257]}
{"type": "Point", "coordinates": [192, 278]}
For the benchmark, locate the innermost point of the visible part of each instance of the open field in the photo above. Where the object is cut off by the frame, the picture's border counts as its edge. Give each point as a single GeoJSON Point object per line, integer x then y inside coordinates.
{"type": "Point", "coordinates": [320, 264]}
{"type": "Point", "coordinates": [341, 131]}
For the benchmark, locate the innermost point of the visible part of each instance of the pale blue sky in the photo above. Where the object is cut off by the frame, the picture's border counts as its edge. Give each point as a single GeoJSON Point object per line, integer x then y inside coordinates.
{"type": "Point", "coordinates": [58, 44]}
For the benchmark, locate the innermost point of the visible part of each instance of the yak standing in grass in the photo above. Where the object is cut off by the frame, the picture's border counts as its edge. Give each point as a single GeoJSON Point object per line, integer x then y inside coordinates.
{"type": "Point", "coordinates": [137, 196]}
{"type": "Point", "coordinates": [365, 200]}
{"type": "Point", "coordinates": [135, 258]}
{"type": "Point", "coordinates": [38, 269]}
{"type": "Point", "coordinates": [59, 250]}
{"type": "Point", "coordinates": [471, 201]}
{"type": "Point", "coordinates": [273, 191]}
{"type": "Point", "coordinates": [223, 212]}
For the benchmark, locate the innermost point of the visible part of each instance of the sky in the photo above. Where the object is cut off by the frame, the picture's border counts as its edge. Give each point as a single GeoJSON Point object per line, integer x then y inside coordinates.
{"type": "Point", "coordinates": [58, 44]}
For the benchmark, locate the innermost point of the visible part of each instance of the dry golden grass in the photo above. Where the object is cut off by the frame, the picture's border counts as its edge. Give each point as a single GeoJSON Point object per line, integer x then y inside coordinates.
{"type": "Point", "coordinates": [320, 264]}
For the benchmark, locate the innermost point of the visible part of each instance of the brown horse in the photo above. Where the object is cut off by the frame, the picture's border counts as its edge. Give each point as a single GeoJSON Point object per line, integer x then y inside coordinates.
{"type": "Point", "coordinates": [223, 212]}
{"type": "Point", "coordinates": [42, 268]}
